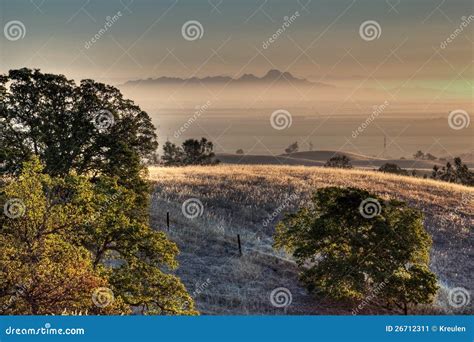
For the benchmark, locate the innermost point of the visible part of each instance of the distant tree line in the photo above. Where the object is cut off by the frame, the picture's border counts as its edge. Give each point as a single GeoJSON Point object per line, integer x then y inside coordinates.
{"type": "Point", "coordinates": [191, 152]}
{"type": "Point", "coordinates": [424, 156]}
{"type": "Point", "coordinates": [459, 173]}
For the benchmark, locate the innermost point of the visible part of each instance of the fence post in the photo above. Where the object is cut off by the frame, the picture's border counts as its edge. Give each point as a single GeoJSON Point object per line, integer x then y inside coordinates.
{"type": "Point", "coordinates": [168, 220]}
{"type": "Point", "coordinates": [240, 246]}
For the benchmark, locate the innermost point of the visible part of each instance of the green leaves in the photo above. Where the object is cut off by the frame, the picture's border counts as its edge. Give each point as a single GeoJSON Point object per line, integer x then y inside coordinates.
{"type": "Point", "coordinates": [192, 152]}
{"type": "Point", "coordinates": [75, 237]}
{"type": "Point", "coordinates": [350, 251]}
{"type": "Point", "coordinates": [53, 118]}
{"type": "Point", "coordinates": [79, 154]}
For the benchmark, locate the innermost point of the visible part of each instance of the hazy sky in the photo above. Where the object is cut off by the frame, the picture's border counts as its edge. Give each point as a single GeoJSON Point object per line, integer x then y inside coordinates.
{"type": "Point", "coordinates": [417, 54]}
{"type": "Point", "coordinates": [323, 41]}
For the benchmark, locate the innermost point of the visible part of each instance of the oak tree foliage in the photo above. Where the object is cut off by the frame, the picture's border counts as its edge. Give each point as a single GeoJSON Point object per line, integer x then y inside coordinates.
{"type": "Point", "coordinates": [72, 236]}
{"type": "Point", "coordinates": [346, 255]}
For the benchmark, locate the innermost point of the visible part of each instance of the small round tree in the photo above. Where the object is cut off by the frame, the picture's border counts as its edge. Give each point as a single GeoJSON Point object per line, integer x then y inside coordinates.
{"type": "Point", "coordinates": [339, 161]}
{"type": "Point", "coordinates": [350, 241]}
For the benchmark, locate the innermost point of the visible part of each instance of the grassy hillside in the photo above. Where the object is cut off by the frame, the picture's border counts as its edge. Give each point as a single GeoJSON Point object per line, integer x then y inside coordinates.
{"type": "Point", "coordinates": [238, 199]}
{"type": "Point", "coordinates": [319, 158]}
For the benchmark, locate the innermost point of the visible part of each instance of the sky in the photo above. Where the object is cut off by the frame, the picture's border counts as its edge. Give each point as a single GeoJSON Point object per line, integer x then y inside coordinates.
{"type": "Point", "coordinates": [417, 54]}
{"type": "Point", "coordinates": [323, 41]}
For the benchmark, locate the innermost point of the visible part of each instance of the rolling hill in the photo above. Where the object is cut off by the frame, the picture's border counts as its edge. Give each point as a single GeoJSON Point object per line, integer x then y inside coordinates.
{"type": "Point", "coordinates": [319, 158]}
{"type": "Point", "coordinates": [238, 199]}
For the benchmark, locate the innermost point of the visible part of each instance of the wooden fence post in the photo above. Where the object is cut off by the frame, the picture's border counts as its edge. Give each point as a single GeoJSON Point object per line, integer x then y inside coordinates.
{"type": "Point", "coordinates": [168, 220]}
{"type": "Point", "coordinates": [240, 246]}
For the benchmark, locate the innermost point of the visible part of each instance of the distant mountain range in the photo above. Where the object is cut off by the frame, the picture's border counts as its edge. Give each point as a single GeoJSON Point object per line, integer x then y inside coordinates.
{"type": "Point", "coordinates": [272, 76]}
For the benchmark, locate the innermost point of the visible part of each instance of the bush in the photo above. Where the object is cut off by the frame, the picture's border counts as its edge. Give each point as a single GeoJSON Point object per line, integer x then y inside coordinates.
{"type": "Point", "coordinates": [339, 161]}
{"type": "Point", "coordinates": [293, 148]}
{"type": "Point", "coordinates": [393, 168]}
{"type": "Point", "coordinates": [61, 239]}
{"type": "Point", "coordinates": [350, 241]}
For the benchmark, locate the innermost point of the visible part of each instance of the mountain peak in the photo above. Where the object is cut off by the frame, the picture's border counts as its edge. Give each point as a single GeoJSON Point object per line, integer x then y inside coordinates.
{"type": "Point", "coordinates": [273, 75]}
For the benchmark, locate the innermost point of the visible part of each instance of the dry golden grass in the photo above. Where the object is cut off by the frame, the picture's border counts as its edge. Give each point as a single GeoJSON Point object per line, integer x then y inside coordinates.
{"type": "Point", "coordinates": [238, 198]}
{"type": "Point", "coordinates": [425, 190]}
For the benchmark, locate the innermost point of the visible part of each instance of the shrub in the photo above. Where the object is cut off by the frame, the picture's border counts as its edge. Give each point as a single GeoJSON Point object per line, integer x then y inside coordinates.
{"type": "Point", "coordinates": [339, 161]}
{"type": "Point", "coordinates": [349, 241]}
{"type": "Point", "coordinates": [393, 168]}
{"type": "Point", "coordinates": [292, 148]}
